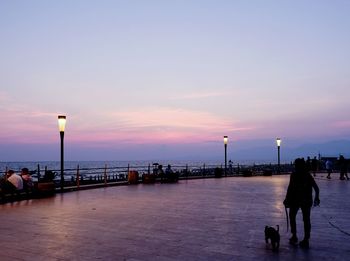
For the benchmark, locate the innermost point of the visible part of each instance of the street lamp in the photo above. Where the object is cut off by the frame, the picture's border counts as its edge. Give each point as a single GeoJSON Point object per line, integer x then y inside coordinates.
{"type": "Point", "coordinates": [225, 145]}
{"type": "Point", "coordinates": [61, 127]}
{"type": "Point", "coordinates": [278, 141]}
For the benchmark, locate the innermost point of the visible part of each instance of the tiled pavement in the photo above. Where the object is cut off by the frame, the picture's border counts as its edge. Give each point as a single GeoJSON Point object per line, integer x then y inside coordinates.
{"type": "Point", "coordinates": [205, 219]}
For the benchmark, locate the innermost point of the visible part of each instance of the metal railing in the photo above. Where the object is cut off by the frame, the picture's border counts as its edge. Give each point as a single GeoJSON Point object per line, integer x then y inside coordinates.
{"type": "Point", "coordinates": [48, 181]}
{"type": "Point", "coordinates": [76, 178]}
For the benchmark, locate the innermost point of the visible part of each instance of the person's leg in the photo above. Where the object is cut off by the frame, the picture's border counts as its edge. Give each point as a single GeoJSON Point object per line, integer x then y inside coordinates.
{"type": "Point", "coordinates": [307, 226]}
{"type": "Point", "coordinates": [307, 222]}
{"type": "Point", "coordinates": [9, 187]}
{"type": "Point", "coordinates": [341, 175]}
{"type": "Point", "coordinates": [293, 225]}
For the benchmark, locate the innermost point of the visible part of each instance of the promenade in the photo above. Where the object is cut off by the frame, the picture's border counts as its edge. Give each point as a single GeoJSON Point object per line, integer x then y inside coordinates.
{"type": "Point", "coordinates": [202, 219]}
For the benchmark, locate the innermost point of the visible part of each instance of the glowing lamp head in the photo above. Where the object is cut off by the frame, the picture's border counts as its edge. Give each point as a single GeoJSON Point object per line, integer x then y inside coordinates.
{"type": "Point", "coordinates": [278, 141]}
{"type": "Point", "coordinates": [61, 122]}
{"type": "Point", "coordinates": [225, 140]}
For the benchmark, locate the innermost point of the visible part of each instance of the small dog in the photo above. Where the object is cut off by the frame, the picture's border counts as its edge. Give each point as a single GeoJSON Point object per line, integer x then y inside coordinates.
{"type": "Point", "coordinates": [274, 236]}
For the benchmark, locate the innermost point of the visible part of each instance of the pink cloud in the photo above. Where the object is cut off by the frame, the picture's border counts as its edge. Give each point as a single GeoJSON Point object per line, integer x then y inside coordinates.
{"type": "Point", "coordinates": [157, 125]}
{"type": "Point", "coordinates": [22, 125]}
{"type": "Point", "coordinates": [201, 95]}
{"type": "Point", "coordinates": [342, 124]}
{"type": "Point", "coordinates": [147, 125]}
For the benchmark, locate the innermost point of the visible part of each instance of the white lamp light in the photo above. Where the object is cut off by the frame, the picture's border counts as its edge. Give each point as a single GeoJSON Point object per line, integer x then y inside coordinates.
{"type": "Point", "coordinates": [61, 122]}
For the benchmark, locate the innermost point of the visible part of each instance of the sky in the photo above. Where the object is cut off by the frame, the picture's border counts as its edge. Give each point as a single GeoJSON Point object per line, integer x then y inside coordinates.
{"type": "Point", "coordinates": [142, 80]}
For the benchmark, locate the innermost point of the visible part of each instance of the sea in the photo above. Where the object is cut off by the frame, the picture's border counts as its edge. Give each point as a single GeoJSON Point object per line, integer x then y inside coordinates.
{"type": "Point", "coordinates": [71, 165]}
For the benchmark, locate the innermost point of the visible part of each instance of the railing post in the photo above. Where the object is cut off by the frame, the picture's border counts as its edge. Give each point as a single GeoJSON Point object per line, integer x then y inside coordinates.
{"type": "Point", "coordinates": [149, 168]}
{"type": "Point", "coordinates": [186, 170]}
{"type": "Point", "coordinates": [105, 175]}
{"type": "Point", "coordinates": [78, 178]}
{"type": "Point", "coordinates": [127, 171]}
{"type": "Point", "coordinates": [38, 172]}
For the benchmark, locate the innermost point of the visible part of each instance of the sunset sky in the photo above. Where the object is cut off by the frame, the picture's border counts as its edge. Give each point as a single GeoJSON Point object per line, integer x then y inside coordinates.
{"type": "Point", "coordinates": [161, 79]}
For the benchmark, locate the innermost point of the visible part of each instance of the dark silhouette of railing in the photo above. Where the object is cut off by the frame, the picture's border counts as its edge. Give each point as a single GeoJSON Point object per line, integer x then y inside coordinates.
{"type": "Point", "coordinates": [48, 181]}
{"type": "Point", "coordinates": [79, 178]}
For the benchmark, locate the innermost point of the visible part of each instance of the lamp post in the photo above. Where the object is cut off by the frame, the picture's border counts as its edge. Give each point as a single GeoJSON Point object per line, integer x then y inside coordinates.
{"type": "Point", "coordinates": [61, 127]}
{"type": "Point", "coordinates": [225, 146]}
{"type": "Point", "coordinates": [278, 141]}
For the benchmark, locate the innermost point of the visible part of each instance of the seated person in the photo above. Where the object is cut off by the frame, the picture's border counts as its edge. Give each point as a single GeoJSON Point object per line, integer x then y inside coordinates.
{"type": "Point", "coordinates": [168, 170]}
{"type": "Point", "coordinates": [170, 175]}
{"type": "Point", "coordinates": [27, 180]}
{"type": "Point", "coordinates": [12, 182]}
{"type": "Point", "coordinates": [160, 172]}
{"type": "Point", "coordinates": [49, 176]}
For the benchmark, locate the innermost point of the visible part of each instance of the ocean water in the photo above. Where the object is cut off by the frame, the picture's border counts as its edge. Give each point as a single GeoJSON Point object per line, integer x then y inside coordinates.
{"type": "Point", "coordinates": [110, 169]}
{"type": "Point", "coordinates": [72, 165]}
{"type": "Point", "coordinates": [100, 169]}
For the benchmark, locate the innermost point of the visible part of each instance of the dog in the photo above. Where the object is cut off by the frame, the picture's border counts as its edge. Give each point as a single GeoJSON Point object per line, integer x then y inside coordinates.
{"type": "Point", "coordinates": [274, 236]}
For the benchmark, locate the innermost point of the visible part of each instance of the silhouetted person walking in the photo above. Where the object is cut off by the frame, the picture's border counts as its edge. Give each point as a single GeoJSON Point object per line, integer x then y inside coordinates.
{"type": "Point", "coordinates": [329, 168]}
{"type": "Point", "coordinates": [299, 195]}
{"type": "Point", "coordinates": [343, 167]}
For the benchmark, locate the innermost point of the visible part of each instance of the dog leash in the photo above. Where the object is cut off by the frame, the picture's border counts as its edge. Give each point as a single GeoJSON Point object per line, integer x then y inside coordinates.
{"type": "Point", "coordinates": [287, 218]}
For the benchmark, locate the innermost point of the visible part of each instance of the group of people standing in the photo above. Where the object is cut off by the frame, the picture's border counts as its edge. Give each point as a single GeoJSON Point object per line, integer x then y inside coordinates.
{"type": "Point", "coordinates": [12, 182]}
{"type": "Point", "coordinates": [343, 168]}
{"type": "Point", "coordinates": [314, 165]}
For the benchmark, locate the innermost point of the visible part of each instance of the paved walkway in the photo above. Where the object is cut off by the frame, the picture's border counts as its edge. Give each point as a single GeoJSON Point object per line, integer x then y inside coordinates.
{"type": "Point", "coordinates": [206, 219]}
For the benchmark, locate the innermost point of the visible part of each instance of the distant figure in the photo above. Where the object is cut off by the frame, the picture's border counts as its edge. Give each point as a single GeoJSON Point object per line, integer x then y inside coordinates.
{"type": "Point", "coordinates": [299, 195]}
{"type": "Point", "coordinates": [49, 176]}
{"type": "Point", "coordinates": [329, 168]}
{"type": "Point", "coordinates": [343, 168]}
{"type": "Point", "coordinates": [230, 166]}
{"type": "Point", "coordinates": [308, 164]}
{"type": "Point", "coordinates": [11, 183]}
{"type": "Point", "coordinates": [168, 170]}
{"type": "Point", "coordinates": [170, 175]}
{"type": "Point", "coordinates": [15, 180]}
{"type": "Point", "coordinates": [160, 172]}
{"type": "Point", "coordinates": [27, 180]}
{"type": "Point", "coordinates": [314, 166]}
{"type": "Point", "coordinates": [155, 169]}
{"type": "Point", "coordinates": [238, 169]}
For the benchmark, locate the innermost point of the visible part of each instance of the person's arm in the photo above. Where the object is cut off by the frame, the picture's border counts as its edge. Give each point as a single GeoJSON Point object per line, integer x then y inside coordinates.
{"type": "Point", "coordinates": [287, 200]}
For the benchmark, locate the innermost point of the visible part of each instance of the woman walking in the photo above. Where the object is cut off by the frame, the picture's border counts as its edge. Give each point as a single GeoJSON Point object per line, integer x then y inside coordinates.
{"type": "Point", "coordinates": [299, 196]}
